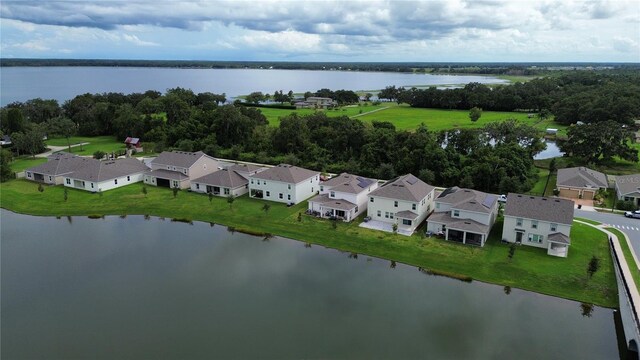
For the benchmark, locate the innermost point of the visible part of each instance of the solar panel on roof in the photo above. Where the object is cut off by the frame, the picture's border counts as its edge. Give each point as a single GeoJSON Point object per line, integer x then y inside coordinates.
{"type": "Point", "coordinates": [363, 182]}
{"type": "Point", "coordinates": [446, 192]}
{"type": "Point", "coordinates": [488, 200]}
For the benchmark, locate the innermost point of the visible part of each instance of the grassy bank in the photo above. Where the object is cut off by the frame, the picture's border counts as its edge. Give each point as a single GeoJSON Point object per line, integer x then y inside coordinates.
{"type": "Point", "coordinates": [530, 269]}
{"type": "Point", "coordinates": [635, 273]}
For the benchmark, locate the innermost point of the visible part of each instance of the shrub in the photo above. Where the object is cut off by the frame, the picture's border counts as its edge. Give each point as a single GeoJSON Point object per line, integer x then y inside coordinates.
{"type": "Point", "coordinates": [625, 205]}
{"type": "Point", "coordinates": [99, 154]}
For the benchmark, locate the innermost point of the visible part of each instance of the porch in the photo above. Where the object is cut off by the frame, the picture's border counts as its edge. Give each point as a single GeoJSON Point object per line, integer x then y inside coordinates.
{"type": "Point", "coordinates": [383, 226]}
{"type": "Point", "coordinates": [558, 245]}
{"type": "Point", "coordinates": [330, 208]}
{"type": "Point", "coordinates": [464, 231]}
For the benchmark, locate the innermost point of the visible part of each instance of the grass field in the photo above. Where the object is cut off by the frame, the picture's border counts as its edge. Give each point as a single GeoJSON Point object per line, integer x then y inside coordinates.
{"type": "Point", "coordinates": [627, 255]}
{"type": "Point", "coordinates": [102, 143]}
{"type": "Point", "coordinates": [530, 269]}
{"type": "Point", "coordinates": [273, 115]}
{"type": "Point", "coordinates": [22, 163]}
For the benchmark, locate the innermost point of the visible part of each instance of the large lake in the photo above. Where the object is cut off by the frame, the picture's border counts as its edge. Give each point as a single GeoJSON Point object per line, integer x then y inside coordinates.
{"type": "Point", "coordinates": [134, 288]}
{"type": "Point", "coordinates": [62, 83]}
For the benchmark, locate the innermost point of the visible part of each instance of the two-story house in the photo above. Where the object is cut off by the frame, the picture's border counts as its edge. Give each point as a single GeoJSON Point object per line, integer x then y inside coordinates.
{"type": "Point", "coordinates": [344, 196]}
{"type": "Point", "coordinates": [405, 201]}
{"type": "Point", "coordinates": [233, 180]}
{"type": "Point", "coordinates": [175, 169]}
{"type": "Point", "coordinates": [464, 215]}
{"type": "Point", "coordinates": [539, 221]}
{"type": "Point", "coordinates": [284, 183]}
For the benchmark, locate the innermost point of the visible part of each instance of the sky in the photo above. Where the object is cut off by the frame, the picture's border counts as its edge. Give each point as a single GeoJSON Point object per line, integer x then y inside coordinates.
{"type": "Point", "coordinates": [403, 31]}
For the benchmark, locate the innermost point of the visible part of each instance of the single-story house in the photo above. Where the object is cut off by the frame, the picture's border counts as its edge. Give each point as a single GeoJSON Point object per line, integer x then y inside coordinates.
{"type": "Point", "coordinates": [284, 183]}
{"type": "Point", "coordinates": [344, 197]}
{"type": "Point", "coordinates": [628, 188]}
{"type": "Point", "coordinates": [580, 182]}
{"type": "Point", "coordinates": [464, 215]}
{"type": "Point", "coordinates": [57, 166]}
{"type": "Point", "coordinates": [539, 221]}
{"type": "Point", "coordinates": [405, 201]}
{"type": "Point", "coordinates": [98, 175]}
{"type": "Point", "coordinates": [175, 169]}
{"type": "Point", "coordinates": [233, 180]}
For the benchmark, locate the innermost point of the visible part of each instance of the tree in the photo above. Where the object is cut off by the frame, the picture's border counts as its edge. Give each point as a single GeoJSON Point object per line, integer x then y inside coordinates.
{"type": "Point", "coordinates": [266, 207]}
{"type": "Point", "coordinates": [600, 142]}
{"type": "Point", "coordinates": [368, 96]}
{"type": "Point", "coordinates": [15, 121]}
{"type": "Point", "coordinates": [175, 192]}
{"type": "Point", "coordinates": [210, 197]}
{"type": "Point", "coordinates": [512, 251]}
{"type": "Point", "coordinates": [230, 200]}
{"type": "Point", "coordinates": [144, 190]}
{"type": "Point", "coordinates": [99, 154]}
{"type": "Point", "coordinates": [40, 188]}
{"type": "Point", "coordinates": [594, 265]}
{"type": "Point", "coordinates": [62, 126]}
{"type": "Point", "coordinates": [586, 309]}
{"type": "Point", "coordinates": [299, 216]}
{"type": "Point", "coordinates": [475, 113]}
{"type": "Point", "coordinates": [5, 165]}
{"type": "Point", "coordinates": [394, 227]}
{"type": "Point", "coordinates": [66, 194]}
{"type": "Point", "coordinates": [256, 97]}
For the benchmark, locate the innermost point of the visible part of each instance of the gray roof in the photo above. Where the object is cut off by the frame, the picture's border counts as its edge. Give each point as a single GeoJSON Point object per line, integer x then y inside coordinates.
{"type": "Point", "coordinates": [406, 187]}
{"type": "Point", "coordinates": [459, 224]}
{"type": "Point", "coordinates": [223, 178]}
{"type": "Point", "coordinates": [581, 177]}
{"type": "Point", "coordinates": [628, 184]}
{"type": "Point", "coordinates": [182, 159]}
{"type": "Point", "coordinates": [286, 173]}
{"type": "Point", "coordinates": [246, 168]}
{"type": "Point", "coordinates": [553, 210]}
{"type": "Point", "coordinates": [98, 171]}
{"type": "Point", "coordinates": [559, 238]}
{"type": "Point", "coordinates": [60, 164]}
{"type": "Point", "coordinates": [468, 199]}
{"type": "Point", "coordinates": [168, 174]}
{"type": "Point", "coordinates": [349, 183]}
{"type": "Point", "coordinates": [407, 214]}
{"type": "Point", "coordinates": [339, 204]}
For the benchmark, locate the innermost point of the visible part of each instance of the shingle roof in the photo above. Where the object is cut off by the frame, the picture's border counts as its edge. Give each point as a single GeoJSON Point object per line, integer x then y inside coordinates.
{"type": "Point", "coordinates": [407, 214]}
{"type": "Point", "coordinates": [406, 187]}
{"type": "Point", "coordinates": [60, 164]}
{"type": "Point", "coordinates": [168, 174]}
{"type": "Point", "coordinates": [182, 159]}
{"type": "Point", "coordinates": [339, 204]}
{"type": "Point", "coordinates": [223, 178]}
{"type": "Point", "coordinates": [349, 183]}
{"type": "Point", "coordinates": [559, 238]}
{"type": "Point", "coordinates": [553, 210]}
{"type": "Point", "coordinates": [459, 224]}
{"type": "Point", "coordinates": [627, 184]}
{"type": "Point", "coordinates": [98, 171]}
{"type": "Point", "coordinates": [581, 177]}
{"type": "Point", "coordinates": [468, 199]}
{"type": "Point", "coordinates": [132, 140]}
{"type": "Point", "coordinates": [245, 168]}
{"type": "Point", "coordinates": [286, 173]}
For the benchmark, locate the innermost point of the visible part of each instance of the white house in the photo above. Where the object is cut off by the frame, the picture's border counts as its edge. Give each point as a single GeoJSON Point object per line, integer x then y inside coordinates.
{"type": "Point", "coordinates": [233, 180]}
{"type": "Point", "coordinates": [628, 188]}
{"type": "Point", "coordinates": [175, 169]}
{"type": "Point", "coordinates": [405, 201]}
{"type": "Point", "coordinates": [464, 215]}
{"type": "Point", "coordinates": [580, 182]}
{"type": "Point", "coordinates": [539, 221]}
{"type": "Point", "coordinates": [344, 196]}
{"type": "Point", "coordinates": [98, 175]}
{"type": "Point", "coordinates": [284, 183]}
{"type": "Point", "coordinates": [315, 102]}
{"type": "Point", "coordinates": [57, 166]}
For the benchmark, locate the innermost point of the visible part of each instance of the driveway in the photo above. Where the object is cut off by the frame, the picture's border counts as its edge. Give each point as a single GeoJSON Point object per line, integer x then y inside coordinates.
{"type": "Point", "coordinates": [631, 227]}
{"type": "Point", "coordinates": [53, 149]}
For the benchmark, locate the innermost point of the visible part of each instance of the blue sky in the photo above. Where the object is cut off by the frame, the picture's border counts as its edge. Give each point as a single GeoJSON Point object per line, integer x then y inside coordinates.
{"type": "Point", "coordinates": [453, 30]}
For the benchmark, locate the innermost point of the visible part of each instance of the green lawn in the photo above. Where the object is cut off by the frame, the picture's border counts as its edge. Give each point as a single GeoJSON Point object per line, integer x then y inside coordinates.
{"type": "Point", "coordinates": [588, 221]}
{"type": "Point", "coordinates": [530, 269]}
{"type": "Point", "coordinates": [627, 255]}
{"type": "Point", "coordinates": [273, 115]}
{"type": "Point", "coordinates": [103, 143]}
{"type": "Point", "coordinates": [22, 163]}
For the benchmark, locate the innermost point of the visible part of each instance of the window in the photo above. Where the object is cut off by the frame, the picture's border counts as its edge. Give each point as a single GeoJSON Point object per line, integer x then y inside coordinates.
{"type": "Point", "coordinates": [174, 168]}
{"type": "Point", "coordinates": [68, 181]}
{"type": "Point", "coordinates": [115, 181]}
{"type": "Point", "coordinates": [321, 188]}
{"type": "Point", "coordinates": [268, 194]}
{"type": "Point", "coordinates": [534, 224]}
{"type": "Point", "coordinates": [518, 222]}
{"type": "Point", "coordinates": [535, 238]}
{"type": "Point", "coordinates": [554, 227]}
{"type": "Point", "coordinates": [252, 181]}
{"type": "Point", "coordinates": [280, 196]}
{"type": "Point", "coordinates": [456, 213]}
{"type": "Point", "coordinates": [246, 186]}
{"type": "Point", "coordinates": [371, 199]}
{"type": "Point", "coordinates": [406, 222]}
{"type": "Point", "coordinates": [226, 191]}
{"type": "Point", "coordinates": [197, 186]}
{"type": "Point", "coordinates": [332, 194]}
{"type": "Point", "coordinates": [128, 178]}
{"type": "Point", "coordinates": [175, 184]}
{"type": "Point", "coordinates": [289, 186]}
{"type": "Point", "coordinates": [28, 174]}
{"type": "Point", "coordinates": [184, 171]}
{"type": "Point", "coordinates": [264, 182]}
{"type": "Point", "coordinates": [168, 167]}
{"type": "Point", "coordinates": [288, 196]}
{"type": "Point", "coordinates": [83, 184]}
{"type": "Point", "coordinates": [356, 209]}
{"type": "Point", "coordinates": [626, 198]}
{"type": "Point", "coordinates": [49, 178]}
{"type": "Point", "coordinates": [386, 214]}
{"type": "Point", "coordinates": [391, 215]}
{"type": "Point", "coordinates": [379, 213]}
{"type": "Point", "coordinates": [92, 185]}
{"type": "Point", "coordinates": [414, 206]}
{"type": "Point", "coordinates": [395, 204]}
{"type": "Point", "coordinates": [311, 189]}
{"type": "Point", "coordinates": [437, 205]}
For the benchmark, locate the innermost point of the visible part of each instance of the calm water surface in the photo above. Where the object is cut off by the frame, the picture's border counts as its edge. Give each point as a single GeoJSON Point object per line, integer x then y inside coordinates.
{"type": "Point", "coordinates": [136, 288]}
{"type": "Point", "coordinates": [62, 83]}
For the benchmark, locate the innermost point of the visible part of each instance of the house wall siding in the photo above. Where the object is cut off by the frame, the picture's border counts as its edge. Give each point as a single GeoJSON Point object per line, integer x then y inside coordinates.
{"type": "Point", "coordinates": [299, 192]}
{"type": "Point", "coordinates": [104, 185]}
{"type": "Point", "coordinates": [239, 191]}
{"type": "Point", "coordinates": [387, 205]}
{"type": "Point", "coordinates": [544, 229]}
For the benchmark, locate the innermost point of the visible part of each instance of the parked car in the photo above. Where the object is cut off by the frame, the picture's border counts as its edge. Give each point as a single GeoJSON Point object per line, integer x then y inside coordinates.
{"type": "Point", "coordinates": [632, 214]}
{"type": "Point", "coordinates": [502, 198]}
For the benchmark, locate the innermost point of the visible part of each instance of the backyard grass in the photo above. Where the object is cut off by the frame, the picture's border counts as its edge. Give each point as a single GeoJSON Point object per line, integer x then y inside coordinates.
{"type": "Point", "coordinates": [614, 167]}
{"type": "Point", "coordinates": [22, 163]}
{"type": "Point", "coordinates": [530, 269]}
{"type": "Point", "coordinates": [107, 144]}
{"type": "Point", "coordinates": [635, 273]}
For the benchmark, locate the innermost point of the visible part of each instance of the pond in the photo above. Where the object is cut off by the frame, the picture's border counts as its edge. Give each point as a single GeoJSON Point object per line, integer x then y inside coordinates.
{"type": "Point", "coordinates": [552, 150]}
{"type": "Point", "coordinates": [151, 288]}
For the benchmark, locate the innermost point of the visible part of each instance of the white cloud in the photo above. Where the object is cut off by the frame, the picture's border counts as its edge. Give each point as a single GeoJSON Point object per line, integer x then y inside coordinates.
{"type": "Point", "coordinates": [136, 41]}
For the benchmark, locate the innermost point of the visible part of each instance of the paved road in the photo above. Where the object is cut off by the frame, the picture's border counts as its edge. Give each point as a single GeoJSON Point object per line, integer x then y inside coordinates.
{"type": "Point", "coordinates": [53, 149]}
{"type": "Point", "coordinates": [631, 227]}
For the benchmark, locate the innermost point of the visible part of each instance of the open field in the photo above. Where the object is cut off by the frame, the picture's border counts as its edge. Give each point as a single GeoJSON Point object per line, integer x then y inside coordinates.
{"type": "Point", "coordinates": [530, 269]}
{"type": "Point", "coordinates": [23, 162]}
{"type": "Point", "coordinates": [102, 143]}
{"type": "Point", "coordinates": [273, 115]}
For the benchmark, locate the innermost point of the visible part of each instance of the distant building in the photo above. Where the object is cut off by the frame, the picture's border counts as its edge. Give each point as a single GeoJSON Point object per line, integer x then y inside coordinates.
{"type": "Point", "coordinates": [580, 182]}
{"type": "Point", "coordinates": [314, 102]}
{"type": "Point", "coordinates": [133, 143]}
{"type": "Point", "coordinates": [628, 188]}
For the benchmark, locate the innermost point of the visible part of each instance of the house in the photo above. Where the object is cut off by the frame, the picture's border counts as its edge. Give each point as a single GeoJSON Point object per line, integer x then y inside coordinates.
{"type": "Point", "coordinates": [96, 175]}
{"type": "Point", "coordinates": [628, 188]}
{"type": "Point", "coordinates": [284, 183]}
{"type": "Point", "coordinates": [464, 215]}
{"type": "Point", "coordinates": [344, 196]}
{"type": "Point", "coordinates": [175, 169]}
{"type": "Point", "coordinates": [405, 201]}
{"type": "Point", "coordinates": [538, 221]}
{"type": "Point", "coordinates": [580, 182]}
{"type": "Point", "coordinates": [57, 166]}
{"type": "Point", "coordinates": [233, 180]}
{"type": "Point", "coordinates": [133, 144]}
{"type": "Point", "coordinates": [314, 102]}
